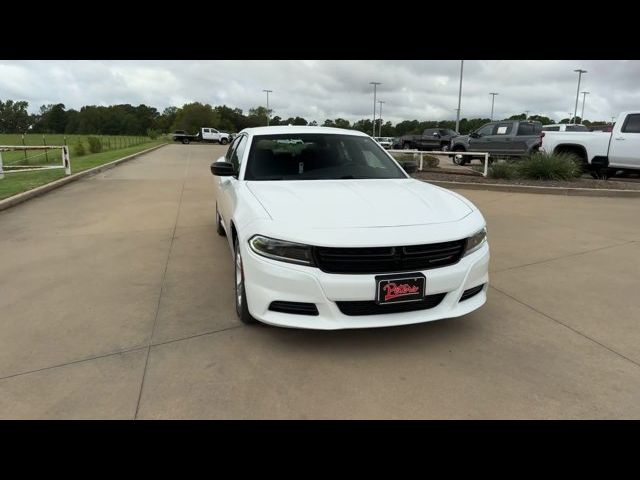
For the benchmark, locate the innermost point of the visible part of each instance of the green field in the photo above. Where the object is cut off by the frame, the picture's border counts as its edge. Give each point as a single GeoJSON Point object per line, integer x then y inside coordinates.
{"type": "Point", "coordinates": [113, 148]}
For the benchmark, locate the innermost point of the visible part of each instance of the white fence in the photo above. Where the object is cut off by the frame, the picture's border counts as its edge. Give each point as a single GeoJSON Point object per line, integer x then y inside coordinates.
{"type": "Point", "coordinates": [420, 153]}
{"type": "Point", "coordinates": [65, 162]}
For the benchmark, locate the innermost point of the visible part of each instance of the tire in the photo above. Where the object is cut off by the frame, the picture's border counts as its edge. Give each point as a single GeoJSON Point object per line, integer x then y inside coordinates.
{"type": "Point", "coordinates": [219, 227]}
{"type": "Point", "coordinates": [185, 141]}
{"type": "Point", "coordinates": [240, 295]}
{"type": "Point", "coordinates": [444, 147]}
{"type": "Point", "coordinates": [406, 146]}
{"type": "Point", "coordinates": [223, 141]}
{"type": "Point", "coordinates": [459, 160]}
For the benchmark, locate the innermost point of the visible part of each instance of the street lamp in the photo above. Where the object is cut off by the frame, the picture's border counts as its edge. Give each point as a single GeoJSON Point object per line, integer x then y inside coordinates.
{"type": "Point", "coordinates": [375, 84]}
{"type": "Point", "coordinates": [459, 97]}
{"type": "Point", "coordinates": [380, 129]}
{"type": "Point", "coordinates": [493, 98]}
{"type": "Point", "coordinates": [584, 99]}
{"type": "Point", "coordinates": [526, 114]}
{"type": "Point", "coordinates": [268, 92]}
{"type": "Point", "coordinates": [580, 72]}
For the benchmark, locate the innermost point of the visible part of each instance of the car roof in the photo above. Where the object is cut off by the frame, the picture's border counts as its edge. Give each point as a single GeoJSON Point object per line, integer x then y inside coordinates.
{"type": "Point", "coordinates": [295, 129]}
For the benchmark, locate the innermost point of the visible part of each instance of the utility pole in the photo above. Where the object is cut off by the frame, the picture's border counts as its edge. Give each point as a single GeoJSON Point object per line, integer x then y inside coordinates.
{"type": "Point", "coordinates": [375, 84]}
{"type": "Point", "coordinates": [268, 92]}
{"type": "Point", "coordinates": [380, 130]}
{"type": "Point", "coordinates": [526, 114]}
{"type": "Point", "coordinates": [459, 96]}
{"type": "Point", "coordinates": [493, 98]}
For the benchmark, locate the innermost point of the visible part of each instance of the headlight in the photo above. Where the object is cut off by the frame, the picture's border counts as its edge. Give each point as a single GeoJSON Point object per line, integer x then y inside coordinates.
{"type": "Point", "coordinates": [282, 250]}
{"type": "Point", "coordinates": [475, 241]}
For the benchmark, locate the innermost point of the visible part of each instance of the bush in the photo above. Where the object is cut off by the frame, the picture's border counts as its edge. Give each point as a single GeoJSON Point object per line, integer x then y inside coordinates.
{"type": "Point", "coordinates": [503, 170]}
{"type": "Point", "coordinates": [549, 166]}
{"type": "Point", "coordinates": [79, 150]}
{"type": "Point", "coordinates": [95, 145]}
{"type": "Point", "coordinates": [152, 134]}
{"type": "Point", "coordinates": [429, 161]}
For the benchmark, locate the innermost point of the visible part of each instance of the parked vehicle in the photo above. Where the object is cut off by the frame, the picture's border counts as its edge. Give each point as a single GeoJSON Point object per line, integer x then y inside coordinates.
{"type": "Point", "coordinates": [509, 138]}
{"type": "Point", "coordinates": [206, 134]}
{"type": "Point", "coordinates": [330, 233]}
{"type": "Point", "coordinates": [602, 153]}
{"type": "Point", "coordinates": [566, 127]}
{"type": "Point", "coordinates": [385, 142]}
{"type": "Point", "coordinates": [431, 139]}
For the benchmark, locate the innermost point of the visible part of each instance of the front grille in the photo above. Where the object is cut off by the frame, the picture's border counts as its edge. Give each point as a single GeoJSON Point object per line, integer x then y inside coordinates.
{"type": "Point", "coordinates": [388, 259]}
{"type": "Point", "coordinates": [370, 307]}
{"type": "Point", "coordinates": [296, 308]}
{"type": "Point", "coordinates": [471, 292]}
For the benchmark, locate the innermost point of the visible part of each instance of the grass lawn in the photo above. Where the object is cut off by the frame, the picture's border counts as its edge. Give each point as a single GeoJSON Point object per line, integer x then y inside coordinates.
{"type": "Point", "coordinates": [14, 183]}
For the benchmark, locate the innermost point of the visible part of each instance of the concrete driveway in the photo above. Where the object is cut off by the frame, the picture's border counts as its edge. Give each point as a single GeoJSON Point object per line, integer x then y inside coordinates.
{"type": "Point", "coordinates": [116, 301]}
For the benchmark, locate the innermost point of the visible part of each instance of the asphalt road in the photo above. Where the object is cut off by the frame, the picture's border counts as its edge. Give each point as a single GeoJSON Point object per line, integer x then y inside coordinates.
{"type": "Point", "coordinates": [116, 301]}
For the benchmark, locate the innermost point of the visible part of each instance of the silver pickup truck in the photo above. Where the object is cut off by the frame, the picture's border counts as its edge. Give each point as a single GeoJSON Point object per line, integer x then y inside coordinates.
{"type": "Point", "coordinates": [509, 138]}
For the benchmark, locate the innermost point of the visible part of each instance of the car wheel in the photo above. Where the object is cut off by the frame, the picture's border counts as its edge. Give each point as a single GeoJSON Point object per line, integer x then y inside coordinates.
{"type": "Point", "coordinates": [459, 159]}
{"type": "Point", "coordinates": [185, 141]}
{"type": "Point", "coordinates": [240, 295]}
{"type": "Point", "coordinates": [444, 148]}
{"type": "Point", "coordinates": [406, 146]}
{"type": "Point", "coordinates": [224, 141]}
{"type": "Point", "coordinates": [219, 227]}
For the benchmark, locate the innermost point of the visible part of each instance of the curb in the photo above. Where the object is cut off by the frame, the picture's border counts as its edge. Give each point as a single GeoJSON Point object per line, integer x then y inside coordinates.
{"type": "Point", "coordinates": [42, 189]}
{"type": "Point", "coordinates": [496, 187]}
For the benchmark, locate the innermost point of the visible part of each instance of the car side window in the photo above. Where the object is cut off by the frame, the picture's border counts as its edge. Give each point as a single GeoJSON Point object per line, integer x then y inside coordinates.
{"type": "Point", "coordinates": [486, 130]}
{"type": "Point", "coordinates": [632, 124]}
{"type": "Point", "coordinates": [232, 147]}
{"type": "Point", "coordinates": [236, 157]}
{"type": "Point", "coordinates": [526, 129]}
{"type": "Point", "coordinates": [551, 129]}
{"type": "Point", "coordinates": [504, 128]}
{"type": "Point", "coordinates": [206, 130]}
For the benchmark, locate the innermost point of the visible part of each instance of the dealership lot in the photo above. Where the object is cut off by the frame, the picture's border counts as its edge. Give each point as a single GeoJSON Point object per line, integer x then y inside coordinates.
{"type": "Point", "coordinates": [116, 301]}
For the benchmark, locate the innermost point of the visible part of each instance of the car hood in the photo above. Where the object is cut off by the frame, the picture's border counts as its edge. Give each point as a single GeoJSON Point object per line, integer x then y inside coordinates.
{"type": "Point", "coordinates": [358, 203]}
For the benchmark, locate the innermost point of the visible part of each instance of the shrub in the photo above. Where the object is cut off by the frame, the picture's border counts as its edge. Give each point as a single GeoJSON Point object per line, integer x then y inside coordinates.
{"type": "Point", "coordinates": [152, 134]}
{"type": "Point", "coordinates": [429, 161]}
{"type": "Point", "coordinates": [95, 145]}
{"type": "Point", "coordinates": [549, 166]}
{"type": "Point", "coordinates": [503, 170]}
{"type": "Point", "coordinates": [79, 150]}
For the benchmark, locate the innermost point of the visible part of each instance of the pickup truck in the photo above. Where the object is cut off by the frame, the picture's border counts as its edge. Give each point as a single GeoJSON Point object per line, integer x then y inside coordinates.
{"type": "Point", "coordinates": [509, 138]}
{"type": "Point", "coordinates": [602, 153]}
{"type": "Point", "coordinates": [206, 134]}
{"type": "Point", "coordinates": [431, 139]}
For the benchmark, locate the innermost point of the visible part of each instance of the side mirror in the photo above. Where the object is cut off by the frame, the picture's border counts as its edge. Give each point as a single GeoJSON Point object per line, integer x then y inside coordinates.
{"type": "Point", "coordinates": [222, 169]}
{"type": "Point", "coordinates": [474, 135]}
{"type": "Point", "coordinates": [436, 134]}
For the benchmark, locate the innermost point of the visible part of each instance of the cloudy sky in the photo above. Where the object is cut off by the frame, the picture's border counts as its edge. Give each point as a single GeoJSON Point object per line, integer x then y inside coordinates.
{"type": "Point", "coordinates": [320, 89]}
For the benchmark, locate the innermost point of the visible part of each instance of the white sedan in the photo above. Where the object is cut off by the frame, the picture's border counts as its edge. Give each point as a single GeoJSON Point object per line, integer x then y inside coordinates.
{"type": "Point", "coordinates": [328, 232]}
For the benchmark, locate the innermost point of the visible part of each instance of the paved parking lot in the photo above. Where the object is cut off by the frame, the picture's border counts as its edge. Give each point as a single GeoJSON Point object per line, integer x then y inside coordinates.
{"type": "Point", "coordinates": [116, 301]}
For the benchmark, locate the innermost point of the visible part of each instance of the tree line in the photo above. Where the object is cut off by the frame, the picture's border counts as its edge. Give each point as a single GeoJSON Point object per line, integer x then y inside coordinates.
{"type": "Point", "coordinates": [127, 119]}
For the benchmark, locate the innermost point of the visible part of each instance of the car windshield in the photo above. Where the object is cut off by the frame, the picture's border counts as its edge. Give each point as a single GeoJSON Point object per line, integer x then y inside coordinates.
{"type": "Point", "coordinates": [320, 156]}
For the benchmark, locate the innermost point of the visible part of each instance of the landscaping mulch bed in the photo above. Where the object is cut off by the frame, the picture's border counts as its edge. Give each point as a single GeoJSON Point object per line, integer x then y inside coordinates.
{"type": "Point", "coordinates": [611, 184]}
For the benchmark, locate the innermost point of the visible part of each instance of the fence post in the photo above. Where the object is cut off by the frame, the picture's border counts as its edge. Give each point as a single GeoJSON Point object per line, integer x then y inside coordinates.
{"type": "Point", "coordinates": [1, 170]}
{"type": "Point", "coordinates": [486, 164]}
{"type": "Point", "coordinates": [46, 153]}
{"type": "Point", "coordinates": [66, 161]}
{"type": "Point", "coordinates": [421, 158]}
{"type": "Point", "coordinates": [25, 150]}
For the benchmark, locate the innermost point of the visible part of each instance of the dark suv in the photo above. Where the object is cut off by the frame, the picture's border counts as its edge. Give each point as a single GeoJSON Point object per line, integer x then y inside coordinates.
{"type": "Point", "coordinates": [431, 139]}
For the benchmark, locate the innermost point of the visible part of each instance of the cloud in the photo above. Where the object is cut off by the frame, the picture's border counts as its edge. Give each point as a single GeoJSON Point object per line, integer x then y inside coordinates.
{"type": "Point", "coordinates": [320, 89]}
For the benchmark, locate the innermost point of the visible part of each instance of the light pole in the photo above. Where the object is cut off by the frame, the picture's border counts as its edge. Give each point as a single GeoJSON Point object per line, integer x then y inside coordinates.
{"type": "Point", "coordinates": [268, 92]}
{"type": "Point", "coordinates": [584, 99]}
{"type": "Point", "coordinates": [375, 84]}
{"type": "Point", "coordinates": [380, 129]}
{"type": "Point", "coordinates": [580, 72]}
{"type": "Point", "coordinates": [493, 98]}
{"type": "Point", "coordinates": [526, 114]}
{"type": "Point", "coordinates": [459, 96]}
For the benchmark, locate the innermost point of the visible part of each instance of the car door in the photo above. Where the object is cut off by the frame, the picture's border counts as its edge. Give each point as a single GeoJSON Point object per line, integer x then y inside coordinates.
{"type": "Point", "coordinates": [483, 143]}
{"type": "Point", "coordinates": [227, 185]}
{"type": "Point", "coordinates": [206, 134]}
{"type": "Point", "coordinates": [624, 150]}
{"type": "Point", "coordinates": [502, 142]}
{"type": "Point", "coordinates": [215, 135]}
{"type": "Point", "coordinates": [524, 134]}
{"type": "Point", "coordinates": [431, 139]}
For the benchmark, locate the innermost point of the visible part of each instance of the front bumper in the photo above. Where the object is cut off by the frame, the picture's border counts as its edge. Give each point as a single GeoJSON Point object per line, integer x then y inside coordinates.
{"type": "Point", "coordinates": [267, 281]}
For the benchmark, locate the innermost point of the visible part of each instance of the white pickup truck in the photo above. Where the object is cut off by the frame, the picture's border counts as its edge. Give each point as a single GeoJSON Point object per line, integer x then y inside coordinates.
{"type": "Point", "coordinates": [603, 153]}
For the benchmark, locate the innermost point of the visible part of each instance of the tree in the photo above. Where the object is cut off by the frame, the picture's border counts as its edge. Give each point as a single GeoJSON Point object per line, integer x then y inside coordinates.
{"type": "Point", "coordinates": [194, 116]}
{"type": "Point", "coordinates": [14, 117]}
